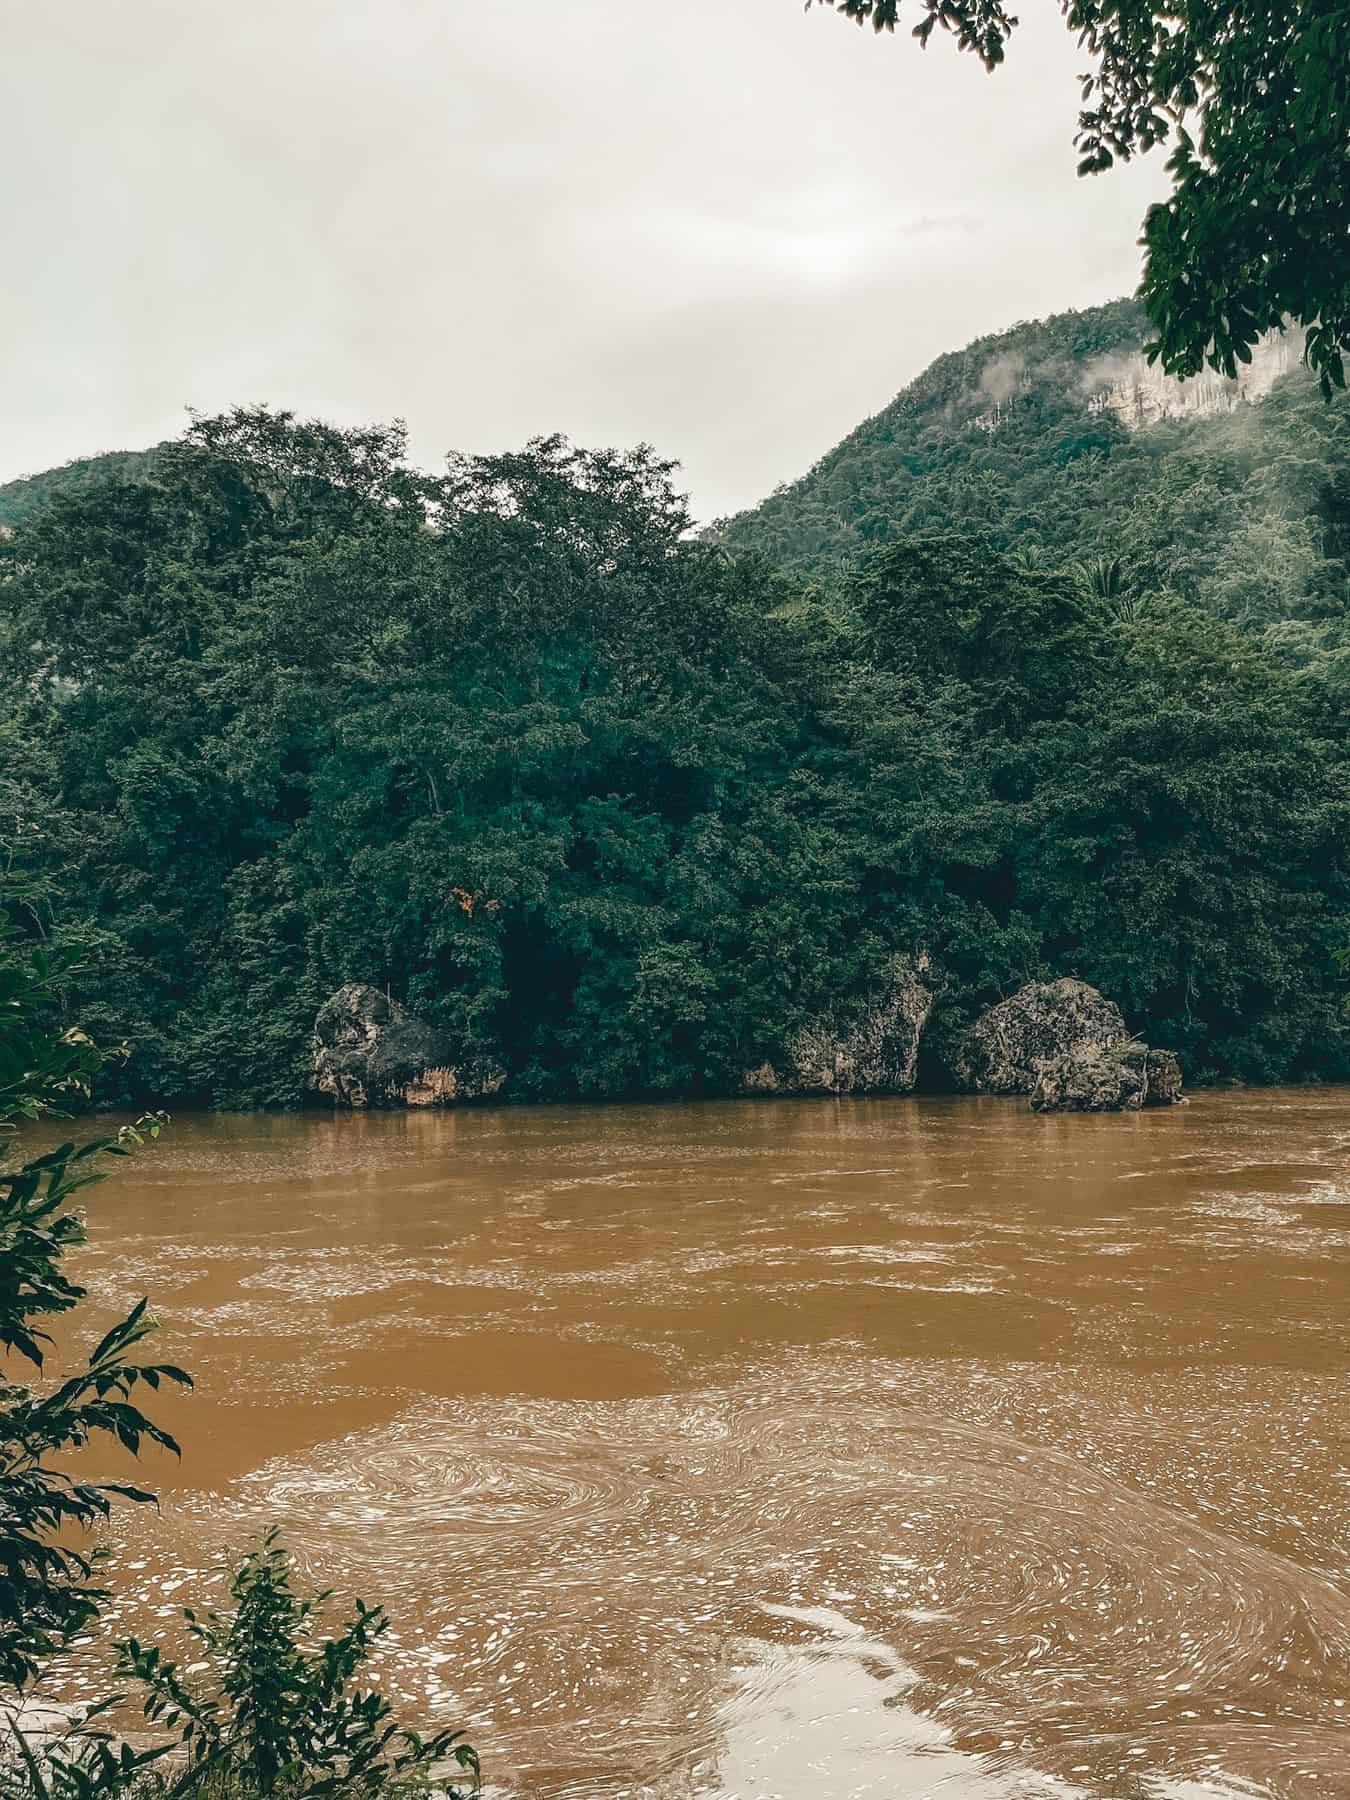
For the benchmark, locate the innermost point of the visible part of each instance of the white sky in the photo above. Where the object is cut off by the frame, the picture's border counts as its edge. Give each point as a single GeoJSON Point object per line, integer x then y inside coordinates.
{"type": "Point", "coordinates": [725, 227]}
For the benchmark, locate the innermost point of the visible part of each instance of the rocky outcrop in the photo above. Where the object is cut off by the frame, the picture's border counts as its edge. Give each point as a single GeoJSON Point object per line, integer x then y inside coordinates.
{"type": "Point", "coordinates": [1140, 393]}
{"type": "Point", "coordinates": [1067, 1047]}
{"type": "Point", "coordinates": [877, 1054]}
{"type": "Point", "coordinates": [1092, 1078]}
{"type": "Point", "coordinates": [1006, 1049]}
{"type": "Point", "coordinates": [369, 1051]}
{"type": "Point", "coordinates": [1119, 1078]}
{"type": "Point", "coordinates": [1163, 1085]}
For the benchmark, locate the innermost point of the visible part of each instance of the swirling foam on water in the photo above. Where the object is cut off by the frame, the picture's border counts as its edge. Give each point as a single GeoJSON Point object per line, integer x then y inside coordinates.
{"type": "Point", "coordinates": [1021, 1594]}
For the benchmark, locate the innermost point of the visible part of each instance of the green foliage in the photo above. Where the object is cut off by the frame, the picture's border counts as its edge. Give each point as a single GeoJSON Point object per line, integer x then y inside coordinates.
{"type": "Point", "coordinates": [45, 1066]}
{"type": "Point", "coordinates": [297, 706]}
{"type": "Point", "coordinates": [76, 1758]}
{"type": "Point", "coordinates": [20, 498]}
{"type": "Point", "coordinates": [621, 808]}
{"type": "Point", "coordinates": [1149, 803]}
{"type": "Point", "coordinates": [979, 25]}
{"type": "Point", "coordinates": [40, 1068]}
{"type": "Point", "coordinates": [47, 1587]}
{"type": "Point", "coordinates": [47, 1591]}
{"type": "Point", "coordinates": [44, 1586]}
{"type": "Point", "coordinates": [280, 1714]}
{"type": "Point", "coordinates": [286, 1719]}
{"type": "Point", "coordinates": [1256, 101]}
{"type": "Point", "coordinates": [1242, 512]}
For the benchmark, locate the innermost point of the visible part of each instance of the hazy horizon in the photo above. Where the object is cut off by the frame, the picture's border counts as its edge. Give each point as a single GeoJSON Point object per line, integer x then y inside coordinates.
{"type": "Point", "coordinates": [732, 239]}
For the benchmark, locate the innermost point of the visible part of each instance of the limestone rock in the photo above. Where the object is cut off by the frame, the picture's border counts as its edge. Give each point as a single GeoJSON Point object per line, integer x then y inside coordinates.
{"type": "Point", "coordinates": [1092, 1078]}
{"type": "Point", "coordinates": [1139, 393]}
{"type": "Point", "coordinates": [1108, 1078]}
{"type": "Point", "coordinates": [877, 1054]}
{"type": "Point", "coordinates": [1164, 1079]}
{"type": "Point", "coordinates": [369, 1051]}
{"type": "Point", "coordinates": [1005, 1051]}
{"type": "Point", "coordinates": [1068, 1047]}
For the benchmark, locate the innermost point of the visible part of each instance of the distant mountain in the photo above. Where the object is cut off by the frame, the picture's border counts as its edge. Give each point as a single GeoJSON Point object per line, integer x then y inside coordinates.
{"type": "Point", "coordinates": [21, 497]}
{"type": "Point", "coordinates": [1058, 439]}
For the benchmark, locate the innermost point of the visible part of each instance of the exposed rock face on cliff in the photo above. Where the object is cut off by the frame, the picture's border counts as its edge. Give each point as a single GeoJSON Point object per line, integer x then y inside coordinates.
{"type": "Point", "coordinates": [1139, 393]}
{"type": "Point", "coordinates": [370, 1051]}
{"type": "Point", "coordinates": [1068, 1047]}
{"type": "Point", "coordinates": [1116, 1078]}
{"type": "Point", "coordinates": [878, 1054]}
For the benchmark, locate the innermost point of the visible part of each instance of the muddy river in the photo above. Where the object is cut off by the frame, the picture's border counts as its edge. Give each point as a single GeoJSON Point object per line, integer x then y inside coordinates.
{"type": "Point", "coordinates": [805, 1450]}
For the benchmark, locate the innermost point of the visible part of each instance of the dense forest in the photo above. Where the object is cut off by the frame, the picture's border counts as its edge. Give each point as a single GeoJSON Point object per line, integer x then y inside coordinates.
{"type": "Point", "coordinates": [1244, 512]}
{"type": "Point", "coordinates": [20, 498]}
{"type": "Point", "coordinates": [623, 805]}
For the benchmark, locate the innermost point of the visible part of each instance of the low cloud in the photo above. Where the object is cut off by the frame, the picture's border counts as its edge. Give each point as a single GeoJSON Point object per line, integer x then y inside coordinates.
{"type": "Point", "coordinates": [1001, 378]}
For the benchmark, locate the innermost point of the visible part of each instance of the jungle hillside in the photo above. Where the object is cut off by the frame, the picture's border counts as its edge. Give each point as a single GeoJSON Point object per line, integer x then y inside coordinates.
{"type": "Point", "coordinates": [1042, 671]}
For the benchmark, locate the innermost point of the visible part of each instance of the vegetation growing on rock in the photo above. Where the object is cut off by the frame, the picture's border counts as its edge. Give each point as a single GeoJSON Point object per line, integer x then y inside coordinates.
{"type": "Point", "coordinates": [1005, 1050]}
{"type": "Point", "coordinates": [1242, 509]}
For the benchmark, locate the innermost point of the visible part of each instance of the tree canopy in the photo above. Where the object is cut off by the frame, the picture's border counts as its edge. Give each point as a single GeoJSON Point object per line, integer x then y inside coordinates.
{"type": "Point", "coordinates": [1254, 99]}
{"type": "Point", "coordinates": [621, 808]}
{"type": "Point", "coordinates": [1032, 436]}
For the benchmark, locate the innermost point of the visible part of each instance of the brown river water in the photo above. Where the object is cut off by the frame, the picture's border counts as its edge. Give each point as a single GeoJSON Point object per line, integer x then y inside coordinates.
{"type": "Point", "coordinates": [810, 1450]}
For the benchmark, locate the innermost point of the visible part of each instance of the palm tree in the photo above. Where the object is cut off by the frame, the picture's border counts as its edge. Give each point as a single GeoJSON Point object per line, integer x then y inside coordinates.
{"type": "Point", "coordinates": [1104, 580]}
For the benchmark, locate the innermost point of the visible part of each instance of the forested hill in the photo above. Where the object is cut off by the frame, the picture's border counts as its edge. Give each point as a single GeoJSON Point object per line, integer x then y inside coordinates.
{"type": "Point", "coordinates": [619, 812]}
{"type": "Point", "coordinates": [20, 498]}
{"type": "Point", "coordinates": [1056, 439]}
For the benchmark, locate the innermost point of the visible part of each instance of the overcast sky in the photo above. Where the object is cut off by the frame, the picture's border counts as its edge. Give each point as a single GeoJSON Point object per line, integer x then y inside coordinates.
{"type": "Point", "coordinates": [730, 228]}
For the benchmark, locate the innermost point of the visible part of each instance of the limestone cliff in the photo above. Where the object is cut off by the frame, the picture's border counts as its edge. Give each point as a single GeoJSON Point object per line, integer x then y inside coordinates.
{"type": "Point", "coordinates": [1140, 394]}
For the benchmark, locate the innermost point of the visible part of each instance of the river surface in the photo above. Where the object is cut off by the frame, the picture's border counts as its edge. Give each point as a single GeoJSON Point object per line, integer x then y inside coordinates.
{"type": "Point", "coordinates": [819, 1451]}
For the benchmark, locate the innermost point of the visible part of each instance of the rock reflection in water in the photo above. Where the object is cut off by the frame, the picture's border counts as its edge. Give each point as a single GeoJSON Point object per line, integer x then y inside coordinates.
{"type": "Point", "coordinates": [874, 1448]}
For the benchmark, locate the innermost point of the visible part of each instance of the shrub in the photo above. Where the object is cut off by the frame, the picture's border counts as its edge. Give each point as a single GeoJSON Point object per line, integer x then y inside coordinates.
{"type": "Point", "coordinates": [281, 1714]}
